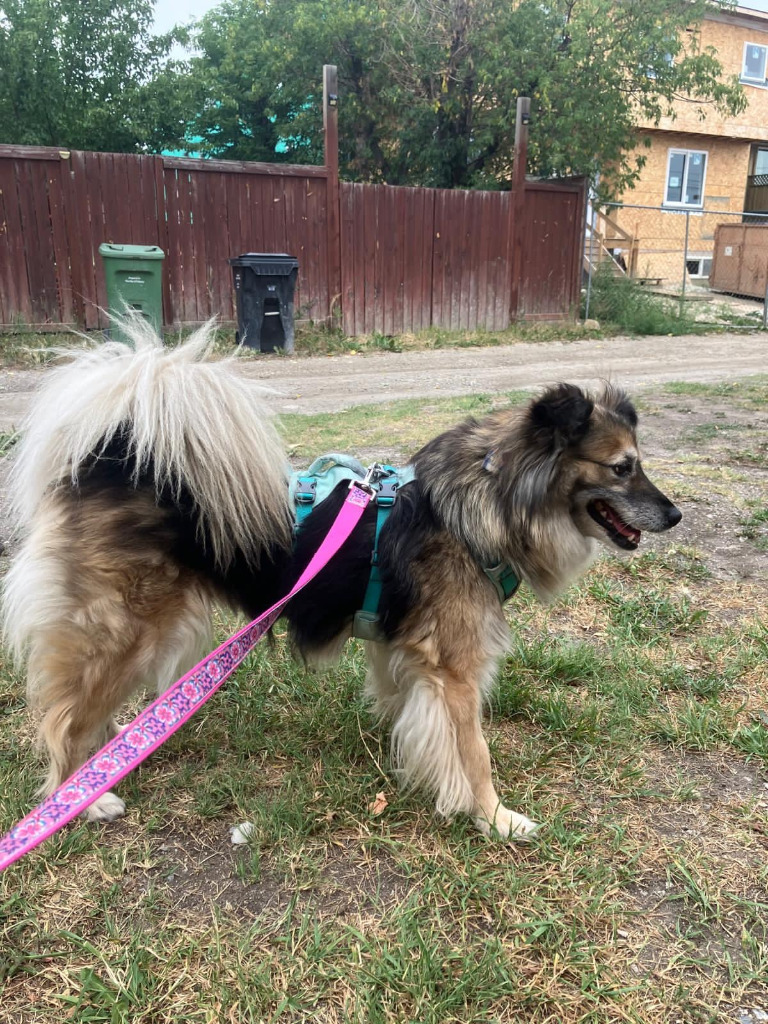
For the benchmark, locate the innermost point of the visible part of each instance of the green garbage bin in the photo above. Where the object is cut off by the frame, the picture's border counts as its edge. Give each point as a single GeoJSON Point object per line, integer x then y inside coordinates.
{"type": "Point", "coordinates": [134, 276]}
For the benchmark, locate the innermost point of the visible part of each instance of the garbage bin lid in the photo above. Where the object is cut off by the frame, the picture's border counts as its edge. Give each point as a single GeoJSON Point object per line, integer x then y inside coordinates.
{"type": "Point", "coordinates": [132, 252]}
{"type": "Point", "coordinates": [255, 259]}
{"type": "Point", "coordinates": [265, 256]}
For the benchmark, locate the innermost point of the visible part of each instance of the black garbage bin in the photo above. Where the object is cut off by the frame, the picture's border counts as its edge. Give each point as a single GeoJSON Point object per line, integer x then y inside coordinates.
{"type": "Point", "coordinates": [264, 286]}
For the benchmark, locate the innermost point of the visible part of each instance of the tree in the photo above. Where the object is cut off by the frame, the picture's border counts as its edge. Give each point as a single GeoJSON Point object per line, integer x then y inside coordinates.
{"type": "Point", "coordinates": [86, 75]}
{"type": "Point", "coordinates": [258, 84]}
{"type": "Point", "coordinates": [428, 87]}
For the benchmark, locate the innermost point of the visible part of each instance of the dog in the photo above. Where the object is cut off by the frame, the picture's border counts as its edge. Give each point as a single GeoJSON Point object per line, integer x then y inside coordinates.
{"type": "Point", "coordinates": [150, 486]}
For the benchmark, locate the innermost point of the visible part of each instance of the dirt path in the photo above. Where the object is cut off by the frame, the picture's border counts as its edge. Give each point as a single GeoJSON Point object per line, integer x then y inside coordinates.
{"type": "Point", "coordinates": [324, 384]}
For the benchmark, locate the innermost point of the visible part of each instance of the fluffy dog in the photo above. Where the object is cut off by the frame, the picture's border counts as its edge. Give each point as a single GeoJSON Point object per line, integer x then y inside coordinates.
{"type": "Point", "coordinates": [150, 485]}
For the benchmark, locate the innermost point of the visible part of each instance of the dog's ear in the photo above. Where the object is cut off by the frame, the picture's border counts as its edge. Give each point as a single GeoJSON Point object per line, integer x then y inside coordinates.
{"type": "Point", "coordinates": [565, 410]}
{"type": "Point", "coordinates": [617, 400]}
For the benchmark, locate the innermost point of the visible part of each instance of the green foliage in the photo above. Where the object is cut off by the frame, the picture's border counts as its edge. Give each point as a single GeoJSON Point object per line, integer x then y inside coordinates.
{"type": "Point", "coordinates": [630, 307]}
{"type": "Point", "coordinates": [428, 89]}
{"type": "Point", "coordinates": [257, 82]}
{"type": "Point", "coordinates": [754, 525]}
{"type": "Point", "coordinates": [8, 439]}
{"type": "Point", "coordinates": [85, 75]}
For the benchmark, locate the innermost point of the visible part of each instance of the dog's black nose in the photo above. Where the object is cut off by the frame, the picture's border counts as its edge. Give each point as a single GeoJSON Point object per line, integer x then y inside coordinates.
{"type": "Point", "coordinates": [673, 517]}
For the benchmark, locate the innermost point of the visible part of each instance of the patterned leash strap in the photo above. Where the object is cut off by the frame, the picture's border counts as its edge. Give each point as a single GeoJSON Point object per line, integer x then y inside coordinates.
{"type": "Point", "coordinates": [153, 726]}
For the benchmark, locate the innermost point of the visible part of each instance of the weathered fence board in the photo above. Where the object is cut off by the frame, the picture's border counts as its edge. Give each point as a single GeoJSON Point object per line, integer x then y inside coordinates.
{"type": "Point", "coordinates": [551, 271]}
{"type": "Point", "coordinates": [410, 257]}
{"type": "Point", "coordinates": [414, 257]}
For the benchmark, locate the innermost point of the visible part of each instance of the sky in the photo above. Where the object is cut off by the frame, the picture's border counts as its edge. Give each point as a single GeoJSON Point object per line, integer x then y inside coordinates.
{"type": "Point", "coordinates": [171, 12]}
{"type": "Point", "coordinates": [176, 12]}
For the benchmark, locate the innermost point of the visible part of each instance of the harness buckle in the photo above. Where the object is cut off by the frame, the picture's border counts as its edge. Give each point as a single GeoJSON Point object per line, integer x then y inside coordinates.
{"type": "Point", "coordinates": [306, 491]}
{"type": "Point", "coordinates": [504, 578]}
{"type": "Point", "coordinates": [387, 492]}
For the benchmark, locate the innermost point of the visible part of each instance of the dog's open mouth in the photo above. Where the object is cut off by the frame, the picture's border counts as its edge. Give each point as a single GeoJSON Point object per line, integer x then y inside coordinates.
{"type": "Point", "coordinates": [621, 533]}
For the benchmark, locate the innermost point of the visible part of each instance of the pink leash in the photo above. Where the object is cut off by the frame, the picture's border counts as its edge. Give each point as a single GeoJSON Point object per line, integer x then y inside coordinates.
{"type": "Point", "coordinates": [169, 712]}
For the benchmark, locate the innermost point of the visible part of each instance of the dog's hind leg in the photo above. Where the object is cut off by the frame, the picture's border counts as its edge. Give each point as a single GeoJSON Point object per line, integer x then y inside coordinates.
{"type": "Point", "coordinates": [96, 620]}
{"type": "Point", "coordinates": [79, 682]}
{"type": "Point", "coordinates": [78, 689]}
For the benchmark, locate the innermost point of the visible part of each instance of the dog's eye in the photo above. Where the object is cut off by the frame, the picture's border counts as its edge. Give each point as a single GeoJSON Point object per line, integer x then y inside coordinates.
{"type": "Point", "coordinates": [622, 468]}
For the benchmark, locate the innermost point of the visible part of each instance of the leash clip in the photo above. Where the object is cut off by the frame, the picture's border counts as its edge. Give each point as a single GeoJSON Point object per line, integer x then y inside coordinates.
{"type": "Point", "coordinates": [372, 474]}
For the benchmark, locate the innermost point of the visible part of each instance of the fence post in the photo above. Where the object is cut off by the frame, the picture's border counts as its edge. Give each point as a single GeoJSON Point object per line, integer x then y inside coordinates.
{"type": "Point", "coordinates": [685, 260]}
{"type": "Point", "coordinates": [522, 120]}
{"type": "Point", "coordinates": [73, 213]}
{"type": "Point", "coordinates": [765, 299]}
{"type": "Point", "coordinates": [591, 218]}
{"type": "Point", "coordinates": [164, 237]}
{"type": "Point", "coordinates": [331, 159]}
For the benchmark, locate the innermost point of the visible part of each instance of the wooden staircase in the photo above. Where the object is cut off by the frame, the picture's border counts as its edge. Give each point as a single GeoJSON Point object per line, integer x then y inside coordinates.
{"type": "Point", "coordinates": [604, 236]}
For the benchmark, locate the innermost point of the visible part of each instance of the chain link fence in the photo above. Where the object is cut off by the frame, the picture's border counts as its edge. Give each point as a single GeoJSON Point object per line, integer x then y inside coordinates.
{"type": "Point", "coordinates": [707, 264]}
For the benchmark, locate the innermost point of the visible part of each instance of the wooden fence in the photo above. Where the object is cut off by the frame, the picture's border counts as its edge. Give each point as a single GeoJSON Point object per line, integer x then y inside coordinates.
{"type": "Point", "coordinates": [392, 259]}
{"type": "Point", "coordinates": [57, 207]}
{"type": "Point", "coordinates": [418, 257]}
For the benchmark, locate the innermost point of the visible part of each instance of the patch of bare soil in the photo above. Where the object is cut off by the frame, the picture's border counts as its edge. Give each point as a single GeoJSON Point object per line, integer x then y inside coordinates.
{"type": "Point", "coordinates": [702, 865]}
{"type": "Point", "coordinates": [193, 871]}
{"type": "Point", "coordinates": [716, 457]}
{"type": "Point", "coordinates": [714, 778]}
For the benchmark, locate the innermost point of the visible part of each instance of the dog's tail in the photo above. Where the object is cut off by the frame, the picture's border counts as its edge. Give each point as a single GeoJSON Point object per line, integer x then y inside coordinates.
{"type": "Point", "coordinates": [198, 426]}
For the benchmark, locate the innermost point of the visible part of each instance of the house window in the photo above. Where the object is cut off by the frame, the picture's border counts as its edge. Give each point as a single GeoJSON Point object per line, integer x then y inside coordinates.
{"type": "Point", "coordinates": [753, 68]}
{"type": "Point", "coordinates": [756, 193]}
{"type": "Point", "coordinates": [667, 58]}
{"type": "Point", "coordinates": [760, 160]}
{"type": "Point", "coordinates": [699, 266]}
{"type": "Point", "coordinates": [686, 170]}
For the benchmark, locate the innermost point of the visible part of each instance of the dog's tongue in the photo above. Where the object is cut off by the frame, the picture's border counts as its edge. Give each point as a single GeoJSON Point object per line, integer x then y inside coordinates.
{"type": "Point", "coordinates": [626, 531]}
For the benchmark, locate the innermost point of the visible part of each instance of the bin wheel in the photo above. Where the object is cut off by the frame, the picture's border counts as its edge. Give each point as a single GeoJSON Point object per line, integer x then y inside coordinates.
{"type": "Point", "coordinates": [237, 337]}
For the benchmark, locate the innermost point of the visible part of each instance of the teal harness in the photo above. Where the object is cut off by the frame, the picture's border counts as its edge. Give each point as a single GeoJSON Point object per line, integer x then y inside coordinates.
{"type": "Point", "coordinates": [310, 487]}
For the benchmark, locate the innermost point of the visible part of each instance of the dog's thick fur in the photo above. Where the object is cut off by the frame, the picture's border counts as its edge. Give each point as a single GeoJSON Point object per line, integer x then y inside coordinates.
{"type": "Point", "coordinates": [150, 485]}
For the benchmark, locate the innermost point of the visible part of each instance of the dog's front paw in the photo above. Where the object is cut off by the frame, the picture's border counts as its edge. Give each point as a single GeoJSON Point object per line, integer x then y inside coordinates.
{"type": "Point", "coordinates": [106, 808]}
{"type": "Point", "coordinates": [506, 824]}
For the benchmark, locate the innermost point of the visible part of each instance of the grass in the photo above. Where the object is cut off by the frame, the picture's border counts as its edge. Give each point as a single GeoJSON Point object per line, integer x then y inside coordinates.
{"type": "Point", "coordinates": [26, 348]}
{"type": "Point", "coordinates": [755, 525]}
{"type": "Point", "coordinates": [388, 431]}
{"type": "Point", "coordinates": [620, 305]}
{"type": "Point", "coordinates": [632, 309]}
{"type": "Point", "coordinates": [8, 439]}
{"type": "Point", "coordinates": [627, 718]}
{"type": "Point", "coordinates": [623, 306]}
{"type": "Point", "coordinates": [749, 393]}
{"type": "Point", "coordinates": [319, 341]}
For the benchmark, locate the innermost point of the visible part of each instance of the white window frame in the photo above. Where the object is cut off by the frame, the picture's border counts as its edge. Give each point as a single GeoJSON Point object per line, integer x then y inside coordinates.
{"type": "Point", "coordinates": [747, 79]}
{"type": "Point", "coordinates": [753, 161]}
{"type": "Point", "coordinates": [681, 204]}
{"type": "Point", "coordinates": [700, 275]}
